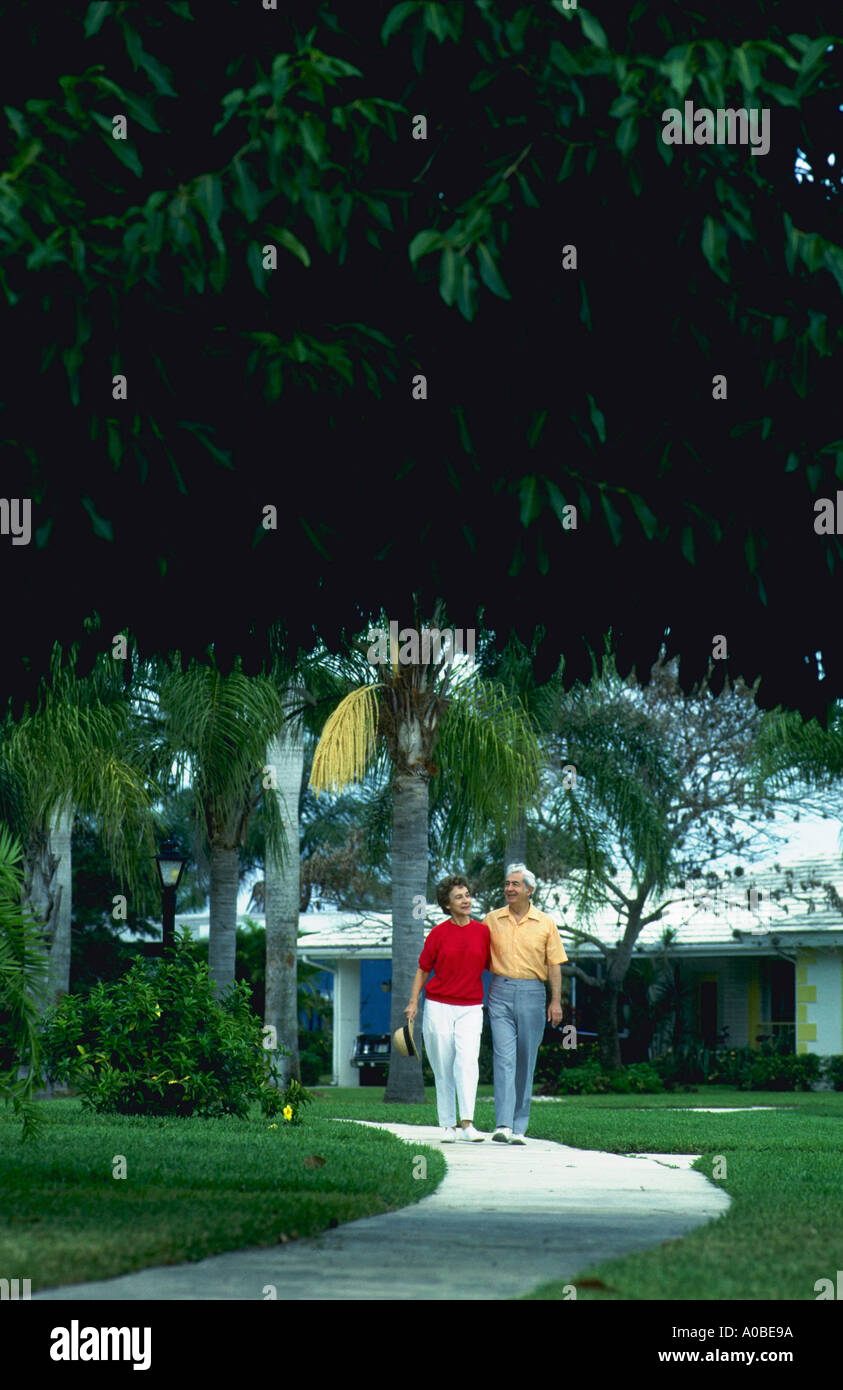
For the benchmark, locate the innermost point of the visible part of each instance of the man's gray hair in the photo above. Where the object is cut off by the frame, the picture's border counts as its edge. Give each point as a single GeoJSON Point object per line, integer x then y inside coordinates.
{"type": "Point", "coordinates": [529, 879]}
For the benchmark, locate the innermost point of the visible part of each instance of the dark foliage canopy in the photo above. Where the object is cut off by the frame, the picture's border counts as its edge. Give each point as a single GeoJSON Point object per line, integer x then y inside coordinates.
{"type": "Point", "coordinates": [547, 386]}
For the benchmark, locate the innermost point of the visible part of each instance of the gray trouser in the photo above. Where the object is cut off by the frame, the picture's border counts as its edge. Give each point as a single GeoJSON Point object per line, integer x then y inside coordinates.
{"type": "Point", "coordinates": [517, 1014]}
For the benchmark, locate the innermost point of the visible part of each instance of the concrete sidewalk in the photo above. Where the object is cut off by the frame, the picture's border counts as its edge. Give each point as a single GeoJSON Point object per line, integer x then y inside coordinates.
{"type": "Point", "coordinates": [503, 1219]}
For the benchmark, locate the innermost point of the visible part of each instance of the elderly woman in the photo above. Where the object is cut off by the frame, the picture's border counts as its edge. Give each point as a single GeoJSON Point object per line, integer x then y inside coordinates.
{"type": "Point", "coordinates": [456, 953]}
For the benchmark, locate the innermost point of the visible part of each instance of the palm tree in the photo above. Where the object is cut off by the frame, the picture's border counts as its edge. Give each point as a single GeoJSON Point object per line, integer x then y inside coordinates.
{"type": "Point", "coordinates": [75, 751]}
{"type": "Point", "coordinates": [284, 764]}
{"type": "Point", "coordinates": [218, 728]}
{"type": "Point", "coordinates": [483, 744]}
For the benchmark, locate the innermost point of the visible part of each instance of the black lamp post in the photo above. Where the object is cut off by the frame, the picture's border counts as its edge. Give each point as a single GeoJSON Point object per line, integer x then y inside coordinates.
{"type": "Point", "coordinates": [170, 863]}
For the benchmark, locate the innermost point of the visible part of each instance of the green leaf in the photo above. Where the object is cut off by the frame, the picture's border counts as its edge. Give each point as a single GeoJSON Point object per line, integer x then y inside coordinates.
{"type": "Point", "coordinates": [292, 243]}
{"type": "Point", "coordinates": [527, 193]}
{"type": "Point", "coordinates": [792, 463]}
{"type": "Point", "coordinates": [649, 522]}
{"type": "Point", "coordinates": [489, 273]}
{"type": "Point", "coordinates": [593, 30]}
{"type": "Point", "coordinates": [784, 96]}
{"type": "Point", "coordinates": [467, 293]}
{"type": "Point", "coordinates": [434, 18]}
{"type": "Point", "coordinates": [687, 544]}
{"type": "Point", "coordinates": [528, 496]}
{"type": "Point", "coordinates": [811, 56]}
{"type": "Point", "coordinates": [428, 240]}
{"type": "Point", "coordinates": [231, 102]}
{"type": "Point", "coordinates": [612, 517]}
{"type": "Point", "coordinates": [713, 243]}
{"type": "Point", "coordinates": [536, 427]}
{"type": "Point", "coordinates": [254, 260]}
{"type": "Point", "coordinates": [312, 140]}
{"type": "Point", "coordinates": [598, 420]}
{"type": "Point", "coordinates": [210, 203]}
{"type": "Point", "coordinates": [678, 69]}
{"type": "Point", "coordinates": [158, 75]}
{"type": "Point", "coordinates": [557, 500]}
{"type": "Point", "coordinates": [248, 199]}
{"type": "Point", "coordinates": [121, 148]}
{"type": "Point", "coordinates": [750, 553]}
{"type": "Point", "coordinates": [101, 527]}
{"type": "Point", "coordinates": [623, 105]}
{"type": "Point", "coordinates": [396, 18]}
{"type": "Point", "coordinates": [626, 136]}
{"type": "Point", "coordinates": [136, 108]}
{"type": "Point", "coordinates": [747, 68]}
{"type": "Point", "coordinates": [97, 13]}
{"type": "Point", "coordinates": [319, 207]}
{"type": "Point", "coordinates": [448, 275]}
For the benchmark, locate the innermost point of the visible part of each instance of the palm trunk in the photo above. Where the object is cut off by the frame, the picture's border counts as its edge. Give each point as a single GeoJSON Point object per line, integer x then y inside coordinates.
{"type": "Point", "coordinates": [285, 755]}
{"type": "Point", "coordinates": [60, 836]}
{"type": "Point", "coordinates": [409, 881]}
{"type": "Point", "coordinates": [222, 940]}
{"type": "Point", "coordinates": [41, 893]}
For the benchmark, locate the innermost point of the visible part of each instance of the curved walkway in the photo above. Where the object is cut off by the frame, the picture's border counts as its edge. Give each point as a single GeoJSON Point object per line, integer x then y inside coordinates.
{"type": "Point", "coordinates": [504, 1219]}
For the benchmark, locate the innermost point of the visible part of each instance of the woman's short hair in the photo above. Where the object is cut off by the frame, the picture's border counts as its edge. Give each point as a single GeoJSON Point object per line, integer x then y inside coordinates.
{"type": "Point", "coordinates": [444, 886]}
{"type": "Point", "coordinates": [529, 879]}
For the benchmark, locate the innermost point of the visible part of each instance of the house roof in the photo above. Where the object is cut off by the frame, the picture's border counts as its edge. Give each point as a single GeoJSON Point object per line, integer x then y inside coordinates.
{"type": "Point", "coordinates": [792, 908]}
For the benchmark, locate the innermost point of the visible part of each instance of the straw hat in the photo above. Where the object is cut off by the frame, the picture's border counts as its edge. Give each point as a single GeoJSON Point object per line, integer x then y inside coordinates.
{"type": "Point", "coordinates": [402, 1040]}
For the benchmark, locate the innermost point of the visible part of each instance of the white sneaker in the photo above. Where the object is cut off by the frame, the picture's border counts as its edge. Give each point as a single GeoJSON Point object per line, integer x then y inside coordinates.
{"type": "Point", "coordinates": [467, 1134]}
{"type": "Point", "coordinates": [517, 1139]}
{"type": "Point", "coordinates": [449, 1135]}
{"type": "Point", "coordinates": [502, 1134]}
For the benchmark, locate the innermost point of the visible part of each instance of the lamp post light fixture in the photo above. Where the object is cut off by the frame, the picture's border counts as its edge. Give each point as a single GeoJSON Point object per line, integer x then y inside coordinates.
{"type": "Point", "coordinates": [170, 864]}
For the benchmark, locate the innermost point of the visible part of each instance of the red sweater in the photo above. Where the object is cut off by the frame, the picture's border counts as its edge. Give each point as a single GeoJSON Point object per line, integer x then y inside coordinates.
{"type": "Point", "coordinates": [458, 956]}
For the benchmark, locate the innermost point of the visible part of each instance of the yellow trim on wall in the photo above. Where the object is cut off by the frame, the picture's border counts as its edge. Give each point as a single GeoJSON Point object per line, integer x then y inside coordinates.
{"type": "Point", "coordinates": [801, 1047]}
{"type": "Point", "coordinates": [806, 994]}
{"type": "Point", "coordinates": [802, 974]}
{"type": "Point", "coordinates": [801, 1013]}
{"type": "Point", "coordinates": [806, 1032]}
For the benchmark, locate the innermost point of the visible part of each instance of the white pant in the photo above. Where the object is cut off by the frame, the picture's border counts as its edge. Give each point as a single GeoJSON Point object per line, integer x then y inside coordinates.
{"type": "Point", "coordinates": [452, 1042]}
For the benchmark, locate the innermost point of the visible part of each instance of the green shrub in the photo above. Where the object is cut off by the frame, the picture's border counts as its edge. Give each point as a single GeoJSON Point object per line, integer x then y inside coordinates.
{"type": "Point", "coordinates": [553, 1057]}
{"type": "Point", "coordinates": [777, 1073]}
{"type": "Point", "coordinates": [834, 1072]}
{"type": "Point", "coordinates": [590, 1079]}
{"type": "Point", "coordinates": [770, 1067]}
{"type": "Point", "coordinates": [159, 1042]}
{"type": "Point", "coordinates": [316, 1055]}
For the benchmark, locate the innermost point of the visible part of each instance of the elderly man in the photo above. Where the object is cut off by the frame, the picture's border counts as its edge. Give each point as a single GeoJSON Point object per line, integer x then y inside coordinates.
{"type": "Point", "coordinates": [526, 952]}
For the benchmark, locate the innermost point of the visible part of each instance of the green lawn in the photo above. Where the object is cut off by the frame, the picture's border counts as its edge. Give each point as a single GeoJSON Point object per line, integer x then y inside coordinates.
{"type": "Point", "coordinates": [195, 1188]}
{"type": "Point", "coordinates": [784, 1229]}
{"type": "Point", "coordinates": [192, 1188]}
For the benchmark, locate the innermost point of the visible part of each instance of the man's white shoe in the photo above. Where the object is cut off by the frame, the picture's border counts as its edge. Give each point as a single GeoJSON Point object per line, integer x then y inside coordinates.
{"type": "Point", "coordinates": [449, 1136]}
{"type": "Point", "coordinates": [467, 1134]}
{"type": "Point", "coordinates": [502, 1134]}
{"type": "Point", "coordinates": [517, 1139]}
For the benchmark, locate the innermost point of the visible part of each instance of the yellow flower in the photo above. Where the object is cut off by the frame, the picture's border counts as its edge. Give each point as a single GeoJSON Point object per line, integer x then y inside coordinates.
{"type": "Point", "coordinates": [153, 1078]}
{"type": "Point", "coordinates": [287, 1112]}
{"type": "Point", "coordinates": [157, 1011]}
{"type": "Point", "coordinates": [273, 1126]}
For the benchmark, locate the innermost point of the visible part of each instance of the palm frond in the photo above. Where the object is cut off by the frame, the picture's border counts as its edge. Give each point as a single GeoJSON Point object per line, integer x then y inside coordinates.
{"type": "Point", "coordinates": [23, 984]}
{"type": "Point", "coordinates": [491, 758]}
{"type": "Point", "coordinates": [347, 743]}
